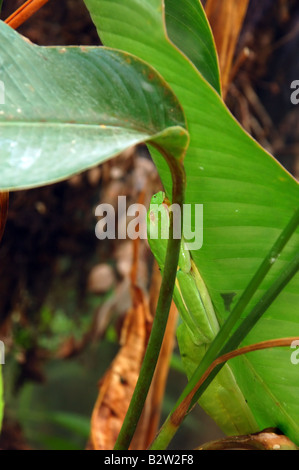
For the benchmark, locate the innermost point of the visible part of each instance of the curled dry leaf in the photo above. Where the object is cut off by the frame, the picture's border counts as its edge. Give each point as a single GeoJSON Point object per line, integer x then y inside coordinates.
{"type": "Point", "coordinates": [117, 385]}
{"type": "Point", "coordinates": [149, 421]}
{"type": "Point", "coordinates": [226, 19]}
{"type": "Point", "coordinates": [269, 439]}
{"type": "Point", "coordinates": [3, 212]}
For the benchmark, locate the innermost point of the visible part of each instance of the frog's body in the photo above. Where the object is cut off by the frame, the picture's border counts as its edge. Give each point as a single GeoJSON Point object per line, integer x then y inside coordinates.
{"type": "Point", "coordinates": [223, 400]}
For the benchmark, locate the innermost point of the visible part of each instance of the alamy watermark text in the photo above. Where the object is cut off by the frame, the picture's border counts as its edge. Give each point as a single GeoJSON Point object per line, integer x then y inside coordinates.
{"type": "Point", "coordinates": [118, 227]}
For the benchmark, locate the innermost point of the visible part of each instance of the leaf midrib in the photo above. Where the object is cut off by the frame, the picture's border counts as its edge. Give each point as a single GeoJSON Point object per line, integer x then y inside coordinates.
{"type": "Point", "coordinates": [141, 130]}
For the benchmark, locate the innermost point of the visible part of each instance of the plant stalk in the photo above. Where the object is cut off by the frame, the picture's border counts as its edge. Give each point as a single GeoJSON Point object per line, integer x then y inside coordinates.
{"type": "Point", "coordinates": [161, 317]}
{"type": "Point", "coordinates": [25, 12]}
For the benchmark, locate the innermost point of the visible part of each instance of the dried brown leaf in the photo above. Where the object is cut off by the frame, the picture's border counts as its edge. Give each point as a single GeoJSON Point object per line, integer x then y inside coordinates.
{"type": "Point", "coordinates": [226, 19]}
{"type": "Point", "coordinates": [269, 439]}
{"type": "Point", "coordinates": [117, 386]}
{"type": "Point", "coordinates": [149, 421]}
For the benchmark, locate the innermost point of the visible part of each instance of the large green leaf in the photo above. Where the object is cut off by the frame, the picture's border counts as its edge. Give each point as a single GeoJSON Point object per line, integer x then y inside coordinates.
{"type": "Point", "coordinates": [188, 29]}
{"type": "Point", "coordinates": [67, 109]}
{"type": "Point", "coordinates": [248, 199]}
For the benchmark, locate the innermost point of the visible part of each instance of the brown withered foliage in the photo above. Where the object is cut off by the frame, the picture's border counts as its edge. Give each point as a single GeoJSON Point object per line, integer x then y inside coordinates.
{"type": "Point", "coordinates": [117, 385]}
{"type": "Point", "coordinates": [150, 419]}
{"type": "Point", "coordinates": [226, 19]}
{"type": "Point", "coordinates": [268, 439]}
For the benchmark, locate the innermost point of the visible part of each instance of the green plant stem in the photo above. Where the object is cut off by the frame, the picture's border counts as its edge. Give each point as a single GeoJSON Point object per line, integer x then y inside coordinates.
{"type": "Point", "coordinates": [161, 316]}
{"type": "Point", "coordinates": [1, 398]}
{"type": "Point", "coordinates": [169, 428]}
